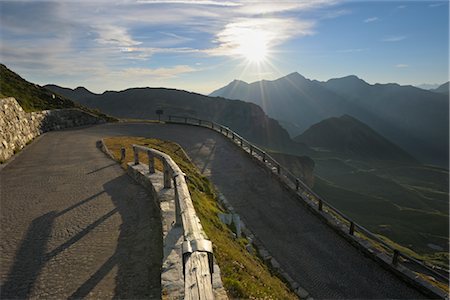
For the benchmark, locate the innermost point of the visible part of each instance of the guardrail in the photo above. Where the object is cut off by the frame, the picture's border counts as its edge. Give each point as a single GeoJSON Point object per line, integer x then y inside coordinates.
{"type": "Point", "coordinates": [197, 249]}
{"type": "Point", "coordinates": [312, 199]}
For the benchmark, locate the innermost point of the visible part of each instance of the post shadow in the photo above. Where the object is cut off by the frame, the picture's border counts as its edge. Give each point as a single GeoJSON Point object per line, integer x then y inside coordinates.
{"type": "Point", "coordinates": [138, 254]}
{"type": "Point", "coordinates": [29, 259]}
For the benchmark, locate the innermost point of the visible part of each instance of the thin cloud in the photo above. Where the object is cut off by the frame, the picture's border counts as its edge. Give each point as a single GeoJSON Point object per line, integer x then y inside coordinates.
{"type": "Point", "coordinates": [192, 2]}
{"type": "Point", "coordinates": [159, 73]}
{"type": "Point", "coordinates": [107, 39]}
{"type": "Point", "coordinates": [354, 50]}
{"type": "Point", "coordinates": [372, 19]}
{"type": "Point", "coordinates": [394, 38]}
{"type": "Point", "coordinates": [114, 35]}
{"type": "Point", "coordinates": [273, 30]}
{"type": "Point", "coordinates": [436, 4]}
{"type": "Point", "coordinates": [265, 7]}
{"type": "Point", "coordinates": [401, 66]}
{"type": "Point", "coordinates": [335, 14]}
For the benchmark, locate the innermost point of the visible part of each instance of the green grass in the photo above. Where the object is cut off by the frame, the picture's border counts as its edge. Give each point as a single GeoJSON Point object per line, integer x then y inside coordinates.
{"type": "Point", "coordinates": [244, 274]}
{"type": "Point", "coordinates": [407, 204]}
{"type": "Point", "coordinates": [32, 97]}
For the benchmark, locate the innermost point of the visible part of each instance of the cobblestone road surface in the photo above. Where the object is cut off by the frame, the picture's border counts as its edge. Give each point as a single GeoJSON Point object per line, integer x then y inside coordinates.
{"type": "Point", "coordinates": [74, 225]}
{"type": "Point", "coordinates": [71, 222]}
{"type": "Point", "coordinates": [313, 254]}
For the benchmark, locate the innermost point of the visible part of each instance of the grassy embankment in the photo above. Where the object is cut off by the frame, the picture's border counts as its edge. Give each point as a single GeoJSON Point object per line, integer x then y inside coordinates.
{"type": "Point", "coordinates": [244, 274]}
{"type": "Point", "coordinates": [33, 97]}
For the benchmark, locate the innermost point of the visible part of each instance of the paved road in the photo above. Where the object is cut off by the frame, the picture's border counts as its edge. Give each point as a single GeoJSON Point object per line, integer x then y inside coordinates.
{"type": "Point", "coordinates": [325, 264]}
{"type": "Point", "coordinates": [74, 225]}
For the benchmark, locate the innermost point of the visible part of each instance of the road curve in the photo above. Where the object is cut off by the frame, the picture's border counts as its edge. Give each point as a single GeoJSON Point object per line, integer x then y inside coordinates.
{"type": "Point", "coordinates": [312, 253]}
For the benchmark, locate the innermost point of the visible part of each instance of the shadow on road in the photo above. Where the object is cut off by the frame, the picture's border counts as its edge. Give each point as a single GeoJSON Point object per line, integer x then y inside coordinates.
{"type": "Point", "coordinates": [29, 260]}
{"type": "Point", "coordinates": [102, 168]}
{"type": "Point", "coordinates": [138, 254]}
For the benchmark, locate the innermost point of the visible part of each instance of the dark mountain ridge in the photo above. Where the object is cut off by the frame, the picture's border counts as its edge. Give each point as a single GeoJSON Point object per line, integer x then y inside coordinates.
{"type": "Point", "coordinates": [349, 136]}
{"type": "Point", "coordinates": [247, 119]}
{"type": "Point", "coordinates": [442, 89]}
{"type": "Point", "coordinates": [413, 118]}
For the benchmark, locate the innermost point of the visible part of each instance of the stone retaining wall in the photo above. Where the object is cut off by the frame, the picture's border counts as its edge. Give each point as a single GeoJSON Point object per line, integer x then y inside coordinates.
{"type": "Point", "coordinates": [18, 128]}
{"type": "Point", "coordinates": [172, 279]}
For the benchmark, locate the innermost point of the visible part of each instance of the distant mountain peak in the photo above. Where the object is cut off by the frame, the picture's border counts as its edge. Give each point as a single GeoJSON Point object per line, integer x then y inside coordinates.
{"type": "Point", "coordinates": [81, 88]}
{"type": "Point", "coordinates": [238, 81]}
{"type": "Point", "coordinates": [348, 135]}
{"type": "Point", "coordinates": [293, 75]}
{"type": "Point", "coordinates": [348, 79]}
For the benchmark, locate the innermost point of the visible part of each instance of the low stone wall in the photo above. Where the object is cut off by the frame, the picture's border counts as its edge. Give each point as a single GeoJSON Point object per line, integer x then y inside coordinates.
{"type": "Point", "coordinates": [18, 128]}
{"type": "Point", "coordinates": [172, 279]}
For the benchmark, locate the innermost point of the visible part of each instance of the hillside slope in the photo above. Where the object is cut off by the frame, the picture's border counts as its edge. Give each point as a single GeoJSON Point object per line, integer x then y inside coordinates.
{"type": "Point", "coordinates": [442, 89]}
{"type": "Point", "coordinates": [33, 97]}
{"type": "Point", "coordinates": [347, 135]}
{"type": "Point", "coordinates": [247, 119]}
{"type": "Point", "coordinates": [416, 119]}
{"type": "Point", "coordinates": [30, 96]}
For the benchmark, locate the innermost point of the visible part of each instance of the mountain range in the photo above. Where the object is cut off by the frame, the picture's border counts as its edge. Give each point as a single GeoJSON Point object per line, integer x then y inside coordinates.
{"type": "Point", "coordinates": [247, 119]}
{"type": "Point", "coordinates": [413, 118]}
{"type": "Point", "coordinates": [353, 167]}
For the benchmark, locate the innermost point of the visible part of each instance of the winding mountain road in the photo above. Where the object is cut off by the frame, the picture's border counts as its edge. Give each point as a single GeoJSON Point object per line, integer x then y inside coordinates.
{"type": "Point", "coordinates": [74, 225]}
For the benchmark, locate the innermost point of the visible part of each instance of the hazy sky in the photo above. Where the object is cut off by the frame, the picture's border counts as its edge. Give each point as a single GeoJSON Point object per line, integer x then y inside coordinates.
{"type": "Point", "coordinates": [201, 45]}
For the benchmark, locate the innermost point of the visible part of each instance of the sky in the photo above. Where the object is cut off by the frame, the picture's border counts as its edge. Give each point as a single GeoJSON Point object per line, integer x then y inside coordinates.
{"type": "Point", "coordinates": [202, 45]}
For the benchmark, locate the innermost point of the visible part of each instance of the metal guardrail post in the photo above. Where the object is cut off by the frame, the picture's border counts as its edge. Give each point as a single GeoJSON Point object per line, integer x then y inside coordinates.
{"type": "Point", "coordinates": [251, 150]}
{"type": "Point", "coordinates": [264, 156]}
{"type": "Point", "coordinates": [170, 118]}
{"type": "Point", "coordinates": [308, 193]}
{"type": "Point", "coordinates": [232, 136]}
{"type": "Point", "coordinates": [178, 221]}
{"type": "Point", "coordinates": [166, 171]}
{"type": "Point", "coordinates": [151, 162]}
{"type": "Point", "coordinates": [199, 122]}
{"type": "Point", "coordinates": [122, 154]}
{"type": "Point", "coordinates": [351, 231]}
{"type": "Point", "coordinates": [136, 155]}
{"type": "Point", "coordinates": [395, 257]}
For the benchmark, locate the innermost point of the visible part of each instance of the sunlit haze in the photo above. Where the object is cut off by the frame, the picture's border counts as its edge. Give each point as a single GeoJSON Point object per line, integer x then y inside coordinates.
{"type": "Point", "coordinates": [202, 45]}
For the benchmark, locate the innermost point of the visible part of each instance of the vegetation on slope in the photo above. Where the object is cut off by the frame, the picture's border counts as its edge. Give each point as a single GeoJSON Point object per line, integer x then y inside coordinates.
{"type": "Point", "coordinates": [244, 274]}
{"type": "Point", "coordinates": [406, 204]}
{"type": "Point", "coordinates": [33, 97]}
{"type": "Point", "coordinates": [30, 96]}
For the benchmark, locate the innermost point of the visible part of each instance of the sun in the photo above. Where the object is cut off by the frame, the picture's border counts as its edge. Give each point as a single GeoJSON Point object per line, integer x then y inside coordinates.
{"type": "Point", "coordinates": [253, 45]}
